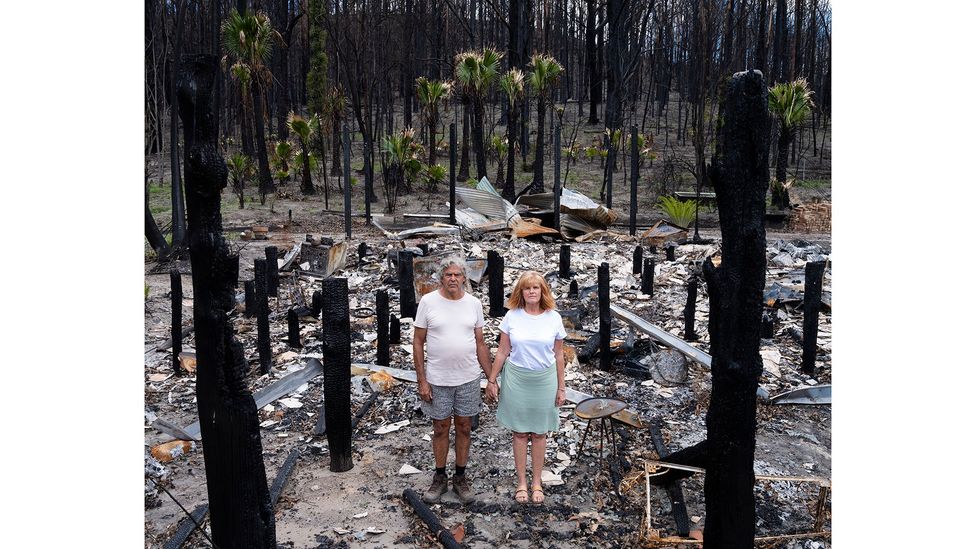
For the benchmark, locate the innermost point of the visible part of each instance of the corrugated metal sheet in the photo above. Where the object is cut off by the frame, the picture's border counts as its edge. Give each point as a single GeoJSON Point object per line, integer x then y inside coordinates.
{"type": "Point", "coordinates": [486, 201]}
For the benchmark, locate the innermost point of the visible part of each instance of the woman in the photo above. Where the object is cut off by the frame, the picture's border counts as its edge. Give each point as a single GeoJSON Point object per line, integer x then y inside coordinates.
{"type": "Point", "coordinates": [531, 350]}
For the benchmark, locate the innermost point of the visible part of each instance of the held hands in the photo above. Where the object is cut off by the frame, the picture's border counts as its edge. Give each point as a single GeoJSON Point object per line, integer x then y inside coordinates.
{"type": "Point", "coordinates": [423, 389]}
{"type": "Point", "coordinates": [492, 391]}
{"type": "Point", "coordinates": [560, 396]}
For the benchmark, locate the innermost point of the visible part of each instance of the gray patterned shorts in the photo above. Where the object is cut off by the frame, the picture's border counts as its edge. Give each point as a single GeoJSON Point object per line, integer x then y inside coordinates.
{"type": "Point", "coordinates": [463, 400]}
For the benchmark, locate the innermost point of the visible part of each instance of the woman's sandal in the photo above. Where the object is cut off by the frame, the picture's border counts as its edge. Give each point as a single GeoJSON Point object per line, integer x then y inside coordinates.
{"type": "Point", "coordinates": [525, 497]}
{"type": "Point", "coordinates": [541, 500]}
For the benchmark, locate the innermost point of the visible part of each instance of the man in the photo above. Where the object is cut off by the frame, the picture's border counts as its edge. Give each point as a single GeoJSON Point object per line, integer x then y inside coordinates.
{"type": "Point", "coordinates": [450, 322]}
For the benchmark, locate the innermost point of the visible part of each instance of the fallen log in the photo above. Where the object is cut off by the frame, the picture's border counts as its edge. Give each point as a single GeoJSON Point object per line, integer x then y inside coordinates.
{"type": "Point", "coordinates": [430, 519]}
{"type": "Point", "coordinates": [678, 508]}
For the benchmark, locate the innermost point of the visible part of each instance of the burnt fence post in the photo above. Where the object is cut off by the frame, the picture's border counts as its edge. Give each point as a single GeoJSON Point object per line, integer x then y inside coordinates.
{"type": "Point", "coordinates": [638, 259]}
{"type": "Point", "coordinates": [250, 304]}
{"type": "Point", "coordinates": [496, 284]}
{"type": "Point", "coordinates": [261, 299]}
{"type": "Point", "coordinates": [394, 330]}
{"type": "Point", "coordinates": [647, 276]}
{"type": "Point", "coordinates": [603, 294]}
{"type": "Point", "coordinates": [271, 255]}
{"type": "Point", "coordinates": [176, 329]}
{"type": "Point", "coordinates": [690, 334]}
{"type": "Point", "coordinates": [336, 361]}
{"type": "Point", "coordinates": [408, 296]}
{"type": "Point", "coordinates": [294, 336]}
{"type": "Point", "coordinates": [812, 294]}
{"type": "Point", "coordinates": [382, 327]}
{"type": "Point", "coordinates": [564, 261]}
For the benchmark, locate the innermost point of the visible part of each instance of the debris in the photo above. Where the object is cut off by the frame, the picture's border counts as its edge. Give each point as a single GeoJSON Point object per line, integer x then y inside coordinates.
{"type": "Point", "coordinates": [155, 378]}
{"type": "Point", "coordinates": [662, 233]}
{"type": "Point", "coordinates": [286, 356]}
{"type": "Point", "coordinates": [485, 200]}
{"type": "Point", "coordinates": [430, 519]}
{"type": "Point", "coordinates": [284, 472]}
{"type": "Point", "coordinates": [408, 469]}
{"type": "Point", "coordinates": [381, 381]}
{"type": "Point", "coordinates": [771, 358]}
{"type": "Point", "coordinates": [391, 427]}
{"type": "Point", "coordinates": [292, 403]}
{"type": "Point", "coordinates": [168, 451]}
{"type": "Point", "coordinates": [374, 530]}
{"type": "Point", "coordinates": [458, 532]}
{"type": "Point", "coordinates": [321, 260]}
{"type": "Point", "coordinates": [662, 336]}
{"type": "Point", "coordinates": [188, 361]}
{"type": "Point", "coordinates": [360, 515]}
{"type": "Point", "coordinates": [551, 479]}
{"type": "Point", "coordinates": [819, 394]}
{"type": "Point", "coordinates": [669, 367]}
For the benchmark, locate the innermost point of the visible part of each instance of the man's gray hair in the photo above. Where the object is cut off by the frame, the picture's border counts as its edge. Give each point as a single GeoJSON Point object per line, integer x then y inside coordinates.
{"type": "Point", "coordinates": [446, 264]}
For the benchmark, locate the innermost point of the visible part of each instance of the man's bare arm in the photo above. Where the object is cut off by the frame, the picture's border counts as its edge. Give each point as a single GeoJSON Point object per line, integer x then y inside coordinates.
{"type": "Point", "coordinates": [484, 358]}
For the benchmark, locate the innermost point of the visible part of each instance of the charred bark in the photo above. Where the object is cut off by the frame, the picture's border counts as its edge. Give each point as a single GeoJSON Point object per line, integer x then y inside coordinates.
{"type": "Point", "coordinates": [261, 302]}
{"type": "Point", "coordinates": [739, 171]}
{"type": "Point", "coordinates": [647, 277]}
{"type": "Point", "coordinates": [335, 373]}
{"type": "Point", "coordinates": [496, 284]}
{"type": "Point", "coordinates": [382, 327]}
{"type": "Point", "coordinates": [176, 303]}
{"type": "Point", "coordinates": [408, 296]}
{"type": "Point", "coordinates": [271, 256]}
{"type": "Point", "coordinates": [564, 261]}
{"type": "Point", "coordinates": [241, 513]}
{"type": "Point", "coordinates": [638, 259]}
{"type": "Point", "coordinates": [603, 295]}
{"type": "Point", "coordinates": [294, 336]}
{"type": "Point", "coordinates": [690, 334]}
{"type": "Point", "coordinates": [812, 292]}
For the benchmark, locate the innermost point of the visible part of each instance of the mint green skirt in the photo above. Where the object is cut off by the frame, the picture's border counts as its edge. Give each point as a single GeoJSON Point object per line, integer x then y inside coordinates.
{"type": "Point", "coordinates": [527, 399]}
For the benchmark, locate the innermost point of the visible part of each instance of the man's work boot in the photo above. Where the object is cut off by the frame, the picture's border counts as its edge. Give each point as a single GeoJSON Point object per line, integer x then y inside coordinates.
{"type": "Point", "coordinates": [436, 490]}
{"type": "Point", "coordinates": [463, 489]}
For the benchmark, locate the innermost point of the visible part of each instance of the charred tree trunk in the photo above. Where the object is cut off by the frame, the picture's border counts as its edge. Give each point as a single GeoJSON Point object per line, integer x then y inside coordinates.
{"type": "Point", "coordinates": [496, 284]}
{"type": "Point", "coordinates": [538, 184]}
{"type": "Point", "coordinates": [739, 171]}
{"type": "Point", "coordinates": [638, 259]}
{"type": "Point", "coordinates": [465, 171]}
{"type": "Point", "coordinates": [263, 326]}
{"type": "Point", "coordinates": [176, 327]}
{"type": "Point", "coordinates": [603, 296]}
{"type": "Point", "coordinates": [761, 55]}
{"type": "Point", "coordinates": [564, 261]}
{"type": "Point", "coordinates": [382, 327]}
{"type": "Point", "coordinates": [294, 335]}
{"type": "Point", "coordinates": [481, 163]}
{"type": "Point", "coordinates": [596, 82]}
{"type": "Point", "coordinates": [176, 191]}
{"type": "Point", "coordinates": [271, 256]}
{"type": "Point", "coordinates": [690, 334]}
{"type": "Point", "coordinates": [241, 514]}
{"type": "Point", "coordinates": [408, 297]}
{"type": "Point", "coordinates": [335, 373]}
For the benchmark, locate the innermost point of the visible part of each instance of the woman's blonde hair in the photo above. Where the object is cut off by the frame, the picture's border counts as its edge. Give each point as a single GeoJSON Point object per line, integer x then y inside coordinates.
{"type": "Point", "coordinates": [516, 301]}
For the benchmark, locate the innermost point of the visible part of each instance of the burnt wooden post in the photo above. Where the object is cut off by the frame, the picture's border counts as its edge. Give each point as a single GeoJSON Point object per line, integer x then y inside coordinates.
{"type": "Point", "coordinates": [638, 259]}
{"type": "Point", "coordinates": [336, 361]}
{"type": "Point", "coordinates": [294, 336]}
{"type": "Point", "coordinates": [768, 328]}
{"type": "Point", "coordinates": [812, 292]}
{"type": "Point", "coordinates": [496, 284]}
{"type": "Point", "coordinates": [453, 180]}
{"type": "Point", "coordinates": [573, 289]}
{"type": "Point", "coordinates": [408, 297]}
{"type": "Point", "coordinates": [176, 327]}
{"type": "Point", "coordinates": [669, 251]}
{"type": "Point", "coordinates": [316, 303]}
{"type": "Point", "coordinates": [557, 188]}
{"type": "Point", "coordinates": [271, 254]}
{"type": "Point", "coordinates": [241, 514]}
{"type": "Point", "coordinates": [690, 334]}
{"type": "Point", "coordinates": [382, 327]}
{"type": "Point", "coordinates": [347, 181]}
{"type": "Point", "coordinates": [611, 161]}
{"type": "Point", "coordinates": [361, 254]}
{"type": "Point", "coordinates": [394, 329]}
{"type": "Point", "coordinates": [250, 307]}
{"type": "Point", "coordinates": [603, 293]}
{"type": "Point", "coordinates": [740, 174]}
{"type": "Point", "coordinates": [564, 261]}
{"type": "Point", "coordinates": [634, 157]}
{"type": "Point", "coordinates": [424, 248]}
{"type": "Point", "coordinates": [647, 276]}
{"type": "Point", "coordinates": [261, 300]}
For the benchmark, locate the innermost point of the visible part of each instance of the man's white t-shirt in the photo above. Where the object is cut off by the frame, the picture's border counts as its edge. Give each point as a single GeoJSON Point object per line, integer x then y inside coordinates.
{"type": "Point", "coordinates": [533, 337]}
{"type": "Point", "coordinates": [452, 356]}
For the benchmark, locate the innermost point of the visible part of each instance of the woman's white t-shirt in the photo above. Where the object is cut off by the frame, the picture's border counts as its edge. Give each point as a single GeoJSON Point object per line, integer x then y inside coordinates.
{"type": "Point", "coordinates": [533, 337]}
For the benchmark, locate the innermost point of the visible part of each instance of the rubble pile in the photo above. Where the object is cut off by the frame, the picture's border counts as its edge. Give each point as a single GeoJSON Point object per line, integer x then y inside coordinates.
{"type": "Point", "coordinates": [590, 501]}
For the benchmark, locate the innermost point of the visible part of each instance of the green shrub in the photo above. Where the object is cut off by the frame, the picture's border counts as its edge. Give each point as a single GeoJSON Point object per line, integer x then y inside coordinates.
{"type": "Point", "coordinates": [679, 212]}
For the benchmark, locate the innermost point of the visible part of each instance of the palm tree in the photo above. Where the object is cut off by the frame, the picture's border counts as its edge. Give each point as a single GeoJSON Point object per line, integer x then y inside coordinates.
{"type": "Point", "coordinates": [476, 72]}
{"type": "Point", "coordinates": [247, 40]}
{"type": "Point", "coordinates": [302, 129]}
{"type": "Point", "coordinates": [335, 111]}
{"type": "Point", "coordinates": [791, 103]}
{"type": "Point", "coordinates": [431, 93]}
{"type": "Point", "coordinates": [544, 72]}
{"type": "Point", "coordinates": [513, 84]}
{"type": "Point", "coordinates": [241, 169]}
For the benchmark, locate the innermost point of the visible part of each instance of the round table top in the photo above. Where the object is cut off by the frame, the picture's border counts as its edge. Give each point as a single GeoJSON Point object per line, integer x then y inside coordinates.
{"type": "Point", "coordinates": [598, 407]}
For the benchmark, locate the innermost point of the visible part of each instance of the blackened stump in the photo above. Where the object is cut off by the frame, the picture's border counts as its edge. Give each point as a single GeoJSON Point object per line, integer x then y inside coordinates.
{"type": "Point", "coordinates": [669, 252]}
{"type": "Point", "coordinates": [564, 261]}
{"type": "Point", "coordinates": [496, 284]}
{"type": "Point", "coordinates": [408, 296]}
{"type": "Point", "coordinates": [603, 294]}
{"type": "Point", "coordinates": [768, 328]}
{"type": "Point", "coordinates": [557, 189]}
{"type": "Point", "coordinates": [690, 334]}
{"type": "Point", "coordinates": [638, 259]}
{"type": "Point", "coordinates": [573, 289]}
{"type": "Point", "coordinates": [394, 330]}
{"type": "Point", "coordinates": [241, 514]}
{"type": "Point", "coordinates": [336, 362]}
{"type": "Point", "coordinates": [382, 327]}
{"type": "Point", "coordinates": [250, 304]}
{"type": "Point", "coordinates": [740, 174]}
{"type": "Point", "coordinates": [261, 300]}
{"type": "Point", "coordinates": [424, 248]}
{"type": "Point", "coordinates": [271, 255]}
{"type": "Point", "coordinates": [294, 337]}
{"type": "Point", "coordinates": [647, 277]}
{"type": "Point", "coordinates": [176, 327]}
{"type": "Point", "coordinates": [316, 303]}
{"type": "Point", "coordinates": [361, 255]}
{"type": "Point", "coordinates": [812, 294]}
